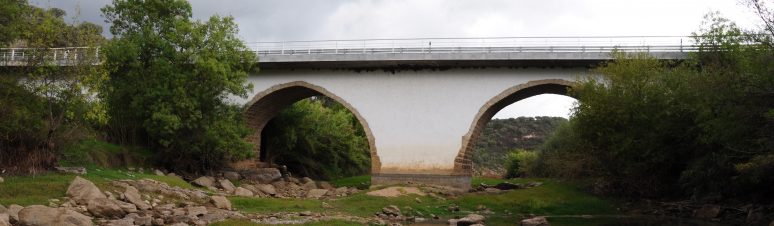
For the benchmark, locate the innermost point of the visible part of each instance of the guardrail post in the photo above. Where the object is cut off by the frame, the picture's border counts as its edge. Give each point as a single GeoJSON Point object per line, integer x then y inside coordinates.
{"type": "Point", "coordinates": [13, 54]}
{"type": "Point", "coordinates": [282, 50]}
{"type": "Point", "coordinates": [681, 45]}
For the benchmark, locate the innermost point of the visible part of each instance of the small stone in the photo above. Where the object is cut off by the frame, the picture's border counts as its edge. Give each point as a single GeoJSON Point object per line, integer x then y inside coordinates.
{"type": "Point", "coordinates": [158, 172]}
{"type": "Point", "coordinates": [417, 200]}
{"type": "Point", "coordinates": [391, 210]}
{"type": "Point", "coordinates": [305, 213]}
{"type": "Point", "coordinates": [481, 207]}
{"type": "Point", "coordinates": [221, 202]}
{"type": "Point", "coordinates": [471, 219]}
{"type": "Point", "coordinates": [204, 181]}
{"type": "Point", "coordinates": [535, 221]}
{"type": "Point", "coordinates": [325, 205]}
{"type": "Point", "coordinates": [75, 170]}
{"type": "Point", "coordinates": [316, 193]}
{"type": "Point", "coordinates": [226, 185]}
{"type": "Point", "coordinates": [2, 180]}
{"type": "Point", "coordinates": [143, 221]}
{"type": "Point", "coordinates": [267, 189]}
{"type": "Point", "coordinates": [453, 208]}
{"type": "Point", "coordinates": [158, 221]}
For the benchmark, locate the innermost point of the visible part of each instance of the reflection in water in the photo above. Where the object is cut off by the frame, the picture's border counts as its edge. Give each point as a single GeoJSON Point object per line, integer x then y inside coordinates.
{"type": "Point", "coordinates": [628, 220]}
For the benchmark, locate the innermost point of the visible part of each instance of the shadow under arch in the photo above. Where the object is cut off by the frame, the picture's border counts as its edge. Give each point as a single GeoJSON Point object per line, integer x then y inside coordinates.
{"type": "Point", "coordinates": [267, 104]}
{"type": "Point", "coordinates": [463, 161]}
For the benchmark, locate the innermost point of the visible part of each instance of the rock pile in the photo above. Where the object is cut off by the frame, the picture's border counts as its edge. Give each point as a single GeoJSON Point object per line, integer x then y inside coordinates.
{"type": "Point", "coordinates": [268, 182]}
{"type": "Point", "coordinates": [141, 202]}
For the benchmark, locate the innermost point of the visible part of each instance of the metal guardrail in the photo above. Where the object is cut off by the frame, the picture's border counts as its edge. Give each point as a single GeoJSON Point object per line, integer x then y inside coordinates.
{"type": "Point", "coordinates": [70, 55]}
{"type": "Point", "coordinates": [479, 45]}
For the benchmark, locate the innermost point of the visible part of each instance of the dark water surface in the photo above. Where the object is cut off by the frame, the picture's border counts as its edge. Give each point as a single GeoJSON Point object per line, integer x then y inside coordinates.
{"type": "Point", "coordinates": [586, 220]}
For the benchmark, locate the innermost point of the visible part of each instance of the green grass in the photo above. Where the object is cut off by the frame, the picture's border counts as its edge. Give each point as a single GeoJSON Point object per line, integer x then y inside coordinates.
{"type": "Point", "coordinates": [360, 182]}
{"type": "Point", "coordinates": [321, 223]}
{"type": "Point", "coordinates": [28, 190]}
{"type": "Point", "coordinates": [551, 198]}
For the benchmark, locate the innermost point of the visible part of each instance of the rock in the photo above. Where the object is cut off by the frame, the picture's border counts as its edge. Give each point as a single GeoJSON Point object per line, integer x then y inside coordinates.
{"type": "Point", "coordinates": [471, 219]}
{"type": "Point", "coordinates": [305, 180]}
{"type": "Point", "coordinates": [2, 180]}
{"type": "Point", "coordinates": [204, 181]}
{"type": "Point", "coordinates": [143, 221]}
{"type": "Point", "coordinates": [75, 170]}
{"type": "Point", "coordinates": [5, 220]}
{"type": "Point", "coordinates": [231, 175]}
{"type": "Point", "coordinates": [305, 213]}
{"type": "Point", "coordinates": [262, 175]}
{"type": "Point", "coordinates": [244, 192]}
{"type": "Point", "coordinates": [707, 212]}
{"type": "Point", "coordinates": [324, 185]}
{"type": "Point", "coordinates": [453, 208]}
{"type": "Point", "coordinates": [82, 191]}
{"type": "Point", "coordinates": [316, 193]}
{"type": "Point", "coordinates": [105, 208]}
{"type": "Point", "coordinates": [221, 202]}
{"type": "Point", "coordinates": [309, 185]}
{"type": "Point", "coordinates": [492, 190]}
{"type": "Point", "coordinates": [13, 211]}
{"type": "Point", "coordinates": [772, 223]}
{"type": "Point", "coordinates": [226, 185]}
{"type": "Point", "coordinates": [132, 195]}
{"type": "Point", "coordinates": [122, 222]}
{"type": "Point", "coordinates": [325, 205]}
{"type": "Point", "coordinates": [267, 189]}
{"type": "Point", "coordinates": [341, 191]}
{"type": "Point", "coordinates": [158, 221]}
{"type": "Point", "coordinates": [535, 221]}
{"type": "Point", "coordinates": [158, 172]}
{"type": "Point", "coordinates": [417, 200]}
{"type": "Point", "coordinates": [391, 210]}
{"type": "Point", "coordinates": [481, 207]}
{"type": "Point", "coordinates": [38, 215]}
{"type": "Point", "coordinates": [3, 209]}
{"type": "Point", "coordinates": [196, 211]}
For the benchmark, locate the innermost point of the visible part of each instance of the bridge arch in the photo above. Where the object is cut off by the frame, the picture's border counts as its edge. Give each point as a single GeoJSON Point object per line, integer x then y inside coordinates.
{"type": "Point", "coordinates": [463, 161]}
{"type": "Point", "coordinates": [267, 104]}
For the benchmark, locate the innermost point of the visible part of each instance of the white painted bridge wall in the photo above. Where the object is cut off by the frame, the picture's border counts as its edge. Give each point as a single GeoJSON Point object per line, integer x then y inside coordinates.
{"type": "Point", "coordinates": [417, 118]}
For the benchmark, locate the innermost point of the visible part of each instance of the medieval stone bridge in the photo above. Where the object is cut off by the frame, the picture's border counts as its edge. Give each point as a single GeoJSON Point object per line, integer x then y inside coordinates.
{"type": "Point", "coordinates": [422, 102]}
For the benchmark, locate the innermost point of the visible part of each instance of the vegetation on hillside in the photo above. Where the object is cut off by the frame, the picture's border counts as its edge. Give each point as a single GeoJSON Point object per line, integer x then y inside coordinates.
{"type": "Point", "coordinates": [502, 136]}
{"type": "Point", "coordinates": [703, 127]}
{"type": "Point", "coordinates": [317, 137]}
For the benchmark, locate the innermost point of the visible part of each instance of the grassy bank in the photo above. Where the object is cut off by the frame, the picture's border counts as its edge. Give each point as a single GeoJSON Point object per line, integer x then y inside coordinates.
{"type": "Point", "coordinates": [38, 189]}
{"type": "Point", "coordinates": [551, 198]}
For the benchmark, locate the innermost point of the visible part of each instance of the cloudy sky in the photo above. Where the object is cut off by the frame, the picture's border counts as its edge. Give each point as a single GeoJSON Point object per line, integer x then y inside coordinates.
{"type": "Point", "coordinates": [285, 20]}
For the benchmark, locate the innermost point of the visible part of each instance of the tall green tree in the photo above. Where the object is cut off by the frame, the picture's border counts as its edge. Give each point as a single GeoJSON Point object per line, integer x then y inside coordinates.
{"type": "Point", "coordinates": [169, 80]}
{"type": "Point", "coordinates": [43, 102]}
{"type": "Point", "coordinates": [319, 138]}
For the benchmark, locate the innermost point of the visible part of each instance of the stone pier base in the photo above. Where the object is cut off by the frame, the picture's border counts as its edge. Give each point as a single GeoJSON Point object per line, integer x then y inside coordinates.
{"type": "Point", "coordinates": [455, 181]}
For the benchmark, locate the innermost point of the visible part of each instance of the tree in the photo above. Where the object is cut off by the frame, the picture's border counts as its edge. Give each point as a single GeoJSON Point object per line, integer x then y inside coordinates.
{"type": "Point", "coordinates": [11, 23]}
{"type": "Point", "coordinates": [44, 102]}
{"type": "Point", "coordinates": [169, 78]}
{"type": "Point", "coordinates": [319, 138]}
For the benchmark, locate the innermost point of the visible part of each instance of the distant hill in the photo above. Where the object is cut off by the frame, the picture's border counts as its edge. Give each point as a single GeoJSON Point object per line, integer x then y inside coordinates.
{"type": "Point", "coordinates": [501, 136]}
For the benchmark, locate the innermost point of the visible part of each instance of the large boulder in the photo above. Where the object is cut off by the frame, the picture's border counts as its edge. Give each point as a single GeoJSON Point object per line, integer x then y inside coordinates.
{"type": "Point", "coordinates": [105, 208]}
{"type": "Point", "coordinates": [82, 191]}
{"type": "Point", "coordinates": [227, 185]}
{"type": "Point", "coordinates": [38, 215]}
{"type": "Point", "coordinates": [244, 192]}
{"type": "Point", "coordinates": [267, 189]}
{"type": "Point", "coordinates": [262, 175]}
{"type": "Point", "coordinates": [471, 219]}
{"type": "Point", "coordinates": [204, 181]}
{"type": "Point", "coordinates": [132, 195]}
{"type": "Point", "coordinates": [220, 202]}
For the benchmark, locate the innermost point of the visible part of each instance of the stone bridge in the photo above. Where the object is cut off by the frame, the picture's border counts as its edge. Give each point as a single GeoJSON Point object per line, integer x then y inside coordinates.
{"type": "Point", "coordinates": [422, 102]}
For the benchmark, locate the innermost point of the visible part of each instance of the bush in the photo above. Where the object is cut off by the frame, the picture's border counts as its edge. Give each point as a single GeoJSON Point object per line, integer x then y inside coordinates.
{"type": "Point", "coordinates": [519, 163]}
